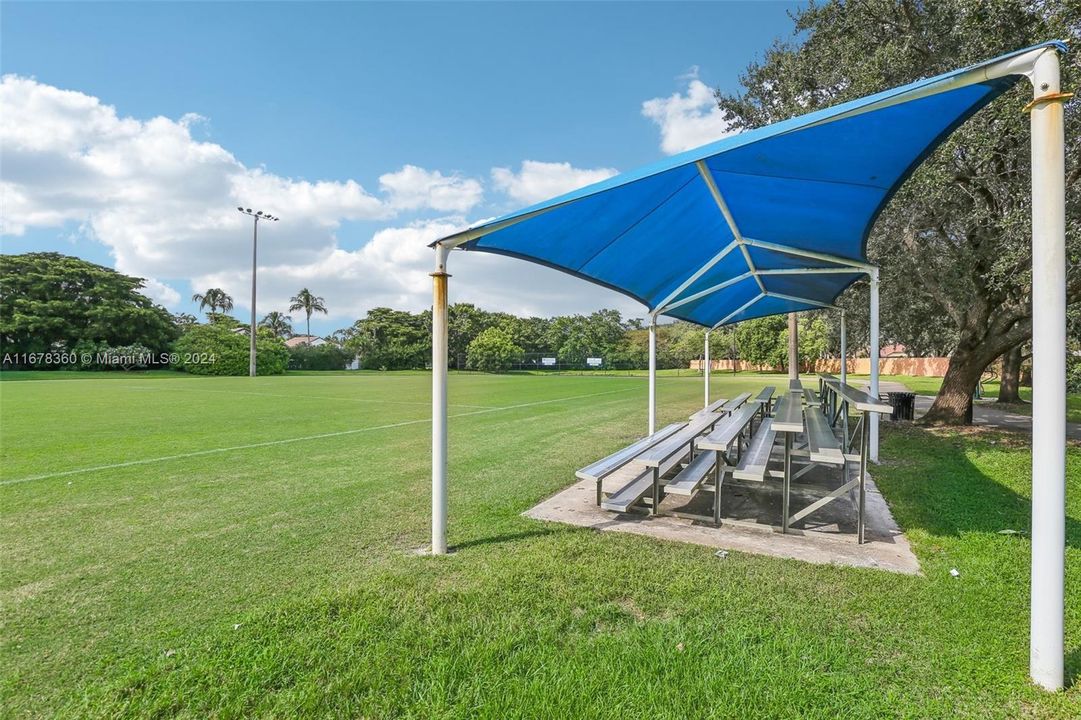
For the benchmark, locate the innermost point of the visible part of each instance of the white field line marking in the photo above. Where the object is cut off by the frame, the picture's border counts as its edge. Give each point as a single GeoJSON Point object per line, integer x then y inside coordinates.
{"type": "Point", "coordinates": [269, 443]}
{"type": "Point", "coordinates": [308, 397]}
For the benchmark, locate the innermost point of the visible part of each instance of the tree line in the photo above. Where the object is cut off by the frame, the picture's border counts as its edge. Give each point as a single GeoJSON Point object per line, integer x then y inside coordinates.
{"type": "Point", "coordinates": [58, 311]}
{"type": "Point", "coordinates": [279, 324]}
{"type": "Point", "coordinates": [52, 303]}
{"type": "Point", "coordinates": [497, 341]}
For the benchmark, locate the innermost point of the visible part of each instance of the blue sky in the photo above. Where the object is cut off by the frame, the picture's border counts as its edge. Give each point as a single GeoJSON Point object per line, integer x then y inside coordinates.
{"type": "Point", "coordinates": [318, 109]}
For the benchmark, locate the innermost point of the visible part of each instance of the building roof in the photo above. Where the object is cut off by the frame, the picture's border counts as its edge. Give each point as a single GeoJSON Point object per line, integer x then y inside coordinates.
{"type": "Point", "coordinates": [312, 340]}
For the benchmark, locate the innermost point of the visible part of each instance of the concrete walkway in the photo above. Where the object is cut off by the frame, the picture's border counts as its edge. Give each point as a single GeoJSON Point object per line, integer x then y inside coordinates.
{"type": "Point", "coordinates": [985, 414]}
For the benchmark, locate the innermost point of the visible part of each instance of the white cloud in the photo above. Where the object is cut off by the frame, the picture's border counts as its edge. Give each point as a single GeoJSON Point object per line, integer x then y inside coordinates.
{"type": "Point", "coordinates": [392, 270]}
{"type": "Point", "coordinates": [538, 181]}
{"type": "Point", "coordinates": [687, 119]}
{"type": "Point", "coordinates": [161, 293]}
{"type": "Point", "coordinates": [163, 202]}
{"type": "Point", "coordinates": [412, 188]}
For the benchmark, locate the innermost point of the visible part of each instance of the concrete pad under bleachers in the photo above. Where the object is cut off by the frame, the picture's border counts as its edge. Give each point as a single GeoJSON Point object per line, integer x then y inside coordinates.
{"type": "Point", "coordinates": [751, 516]}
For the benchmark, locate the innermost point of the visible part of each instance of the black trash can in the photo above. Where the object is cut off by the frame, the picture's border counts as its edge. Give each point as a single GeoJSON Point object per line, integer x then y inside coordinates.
{"type": "Point", "coordinates": [904, 405]}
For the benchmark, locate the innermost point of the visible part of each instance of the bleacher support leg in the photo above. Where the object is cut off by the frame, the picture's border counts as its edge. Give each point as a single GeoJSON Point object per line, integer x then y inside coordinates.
{"type": "Point", "coordinates": [787, 480]}
{"type": "Point", "coordinates": [656, 491]}
{"type": "Point", "coordinates": [865, 434]}
{"type": "Point", "coordinates": [718, 474]}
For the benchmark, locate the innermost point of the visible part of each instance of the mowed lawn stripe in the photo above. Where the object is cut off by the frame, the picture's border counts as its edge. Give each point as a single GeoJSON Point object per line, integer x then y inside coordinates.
{"type": "Point", "coordinates": [305, 438]}
{"type": "Point", "coordinates": [282, 581]}
{"type": "Point", "coordinates": [109, 422]}
{"type": "Point", "coordinates": [134, 555]}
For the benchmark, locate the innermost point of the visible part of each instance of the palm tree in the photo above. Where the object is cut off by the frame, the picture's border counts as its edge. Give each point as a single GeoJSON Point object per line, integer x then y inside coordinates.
{"type": "Point", "coordinates": [309, 303]}
{"type": "Point", "coordinates": [277, 323]}
{"type": "Point", "coordinates": [184, 320]}
{"type": "Point", "coordinates": [214, 298]}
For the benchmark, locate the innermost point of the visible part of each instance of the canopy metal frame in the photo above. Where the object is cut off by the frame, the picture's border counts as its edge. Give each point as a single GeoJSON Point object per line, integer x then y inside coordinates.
{"type": "Point", "coordinates": [1040, 65]}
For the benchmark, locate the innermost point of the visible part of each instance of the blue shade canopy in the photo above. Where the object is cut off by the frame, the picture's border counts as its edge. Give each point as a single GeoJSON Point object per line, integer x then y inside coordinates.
{"type": "Point", "coordinates": [768, 221]}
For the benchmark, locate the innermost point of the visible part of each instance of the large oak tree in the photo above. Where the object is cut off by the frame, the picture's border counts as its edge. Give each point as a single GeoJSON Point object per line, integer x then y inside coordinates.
{"type": "Point", "coordinates": [955, 241]}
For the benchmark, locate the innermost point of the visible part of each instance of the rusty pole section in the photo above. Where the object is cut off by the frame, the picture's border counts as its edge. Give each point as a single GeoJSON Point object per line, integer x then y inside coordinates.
{"type": "Point", "coordinates": [439, 402]}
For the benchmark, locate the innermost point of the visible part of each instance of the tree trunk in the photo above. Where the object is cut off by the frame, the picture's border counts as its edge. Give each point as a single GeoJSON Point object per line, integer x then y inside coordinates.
{"type": "Point", "coordinates": [1009, 390]}
{"type": "Point", "coordinates": [986, 332]}
{"type": "Point", "coordinates": [953, 405]}
{"type": "Point", "coordinates": [308, 320]}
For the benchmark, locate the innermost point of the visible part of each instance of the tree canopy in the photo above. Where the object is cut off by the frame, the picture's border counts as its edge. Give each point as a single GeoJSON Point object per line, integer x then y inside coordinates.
{"type": "Point", "coordinates": [216, 299]}
{"type": "Point", "coordinates": [309, 303]}
{"type": "Point", "coordinates": [277, 323]}
{"type": "Point", "coordinates": [493, 351]}
{"type": "Point", "coordinates": [53, 302]}
{"type": "Point", "coordinates": [954, 242]}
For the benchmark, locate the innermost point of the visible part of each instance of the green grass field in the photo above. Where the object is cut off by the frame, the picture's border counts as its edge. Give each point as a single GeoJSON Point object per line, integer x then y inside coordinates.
{"type": "Point", "coordinates": [235, 547]}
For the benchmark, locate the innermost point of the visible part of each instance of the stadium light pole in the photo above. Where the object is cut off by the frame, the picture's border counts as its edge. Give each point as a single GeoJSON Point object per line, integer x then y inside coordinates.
{"type": "Point", "coordinates": [256, 216]}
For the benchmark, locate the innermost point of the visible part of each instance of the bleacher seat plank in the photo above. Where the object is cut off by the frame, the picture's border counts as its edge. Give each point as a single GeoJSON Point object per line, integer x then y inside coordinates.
{"type": "Point", "coordinates": [633, 490]}
{"type": "Point", "coordinates": [636, 481]}
{"type": "Point", "coordinates": [606, 466]}
{"type": "Point", "coordinates": [755, 460]}
{"type": "Point", "coordinates": [660, 452]}
{"type": "Point", "coordinates": [788, 414]}
{"type": "Point", "coordinates": [727, 429]}
{"type": "Point", "coordinates": [766, 394]}
{"type": "Point", "coordinates": [811, 397]}
{"type": "Point", "coordinates": [821, 442]}
{"type": "Point", "coordinates": [734, 404]}
{"type": "Point", "coordinates": [713, 407]}
{"type": "Point", "coordinates": [863, 401]}
{"type": "Point", "coordinates": [690, 478]}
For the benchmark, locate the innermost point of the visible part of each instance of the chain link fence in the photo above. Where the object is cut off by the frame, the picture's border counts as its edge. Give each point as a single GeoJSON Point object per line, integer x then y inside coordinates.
{"type": "Point", "coordinates": [589, 364]}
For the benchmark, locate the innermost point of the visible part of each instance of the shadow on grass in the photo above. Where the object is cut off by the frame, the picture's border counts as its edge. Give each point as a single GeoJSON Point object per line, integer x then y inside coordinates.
{"type": "Point", "coordinates": [500, 539]}
{"type": "Point", "coordinates": [1073, 667]}
{"type": "Point", "coordinates": [933, 485]}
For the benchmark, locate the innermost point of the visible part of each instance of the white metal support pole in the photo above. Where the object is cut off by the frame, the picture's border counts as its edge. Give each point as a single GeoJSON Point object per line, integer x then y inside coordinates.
{"type": "Point", "coordinates": [844, 350]}
{"type": "Point", "coordinates": [652, 374]}
{"type": "Point", "coordinates": [793, 347]}
{"type": "Point", "coordinates": [705, 403]}
{"type": "Point", "coordinates": [873, 417]}
{"type": "Point", "coordinates": [1048, 376]}
{"type": "Point", "coordinates": [439, 402]}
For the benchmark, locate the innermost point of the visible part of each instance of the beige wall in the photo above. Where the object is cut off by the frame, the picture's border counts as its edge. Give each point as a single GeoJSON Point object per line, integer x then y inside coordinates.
{"type": "Point", "coordinates": [917, 367]}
